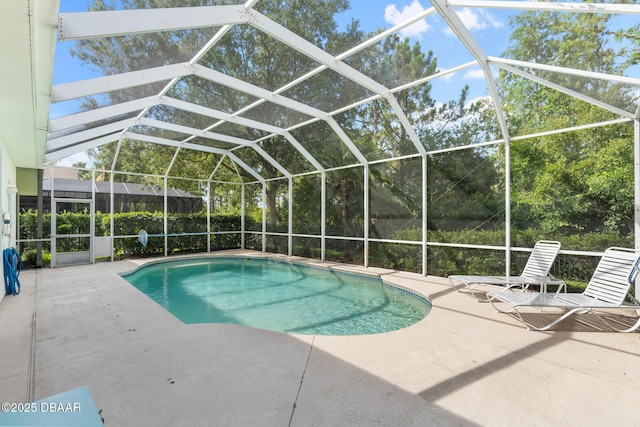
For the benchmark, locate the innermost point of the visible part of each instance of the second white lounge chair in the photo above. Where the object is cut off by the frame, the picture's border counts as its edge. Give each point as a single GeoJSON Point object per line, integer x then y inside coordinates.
{"type": "Point", "coordinates": [536, 272]}
{"type": "Point", "coordinates": [608, 288]}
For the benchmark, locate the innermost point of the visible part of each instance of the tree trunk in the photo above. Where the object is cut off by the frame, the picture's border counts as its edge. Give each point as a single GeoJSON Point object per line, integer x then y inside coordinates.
{"type": "Point", "coordinates": [272, 205]}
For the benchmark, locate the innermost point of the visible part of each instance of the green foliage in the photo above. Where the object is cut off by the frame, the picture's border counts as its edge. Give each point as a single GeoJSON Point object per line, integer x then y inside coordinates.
{"type": "Point", "coordinates": [444, 261]}
{"type": "Point", "coordinates": [244, 53]}
{"type": "Point", "coordinates": [577, 181]}
{"type": "Point", "coordinates": [130, 224]}
{"type": "Point", "coordinates": [28, 224]}
{"type": "Point", "coordinates": [29, 257]}
{"type": "Point", "coordinates": [126, 228]}
{"type": "Point", "coordinates": [66, 223]}
{"type": "Point", "coordinates": [574, 187]}
{"type": "Point", "coordinates": [305, 205]}
{"type": "Point", "coordinates": [632, 35]}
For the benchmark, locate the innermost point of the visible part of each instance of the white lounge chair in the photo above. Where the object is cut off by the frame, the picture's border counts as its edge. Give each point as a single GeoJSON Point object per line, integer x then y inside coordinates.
{"type": "Point", "coordinates": [536, 272]}
{"type": "Point", "coordinates": [608, 289]}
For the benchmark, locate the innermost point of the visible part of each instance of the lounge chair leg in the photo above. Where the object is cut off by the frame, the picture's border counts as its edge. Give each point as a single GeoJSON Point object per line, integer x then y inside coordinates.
{"type": "Point", "coordinates": [631, 329]}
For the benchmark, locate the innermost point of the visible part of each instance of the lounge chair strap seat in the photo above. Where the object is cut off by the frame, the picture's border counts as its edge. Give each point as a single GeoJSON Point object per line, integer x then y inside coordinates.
{"type": "Point", "coordinates": [535, 272]}
{"type": "Point", "coordinates": [550, 300]}
{"type": "Point", "coordinates": [608, 288]}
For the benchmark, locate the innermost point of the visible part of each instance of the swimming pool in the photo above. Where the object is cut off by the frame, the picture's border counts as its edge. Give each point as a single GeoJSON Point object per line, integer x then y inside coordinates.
{"type": "Point", "coordinates": [278, 296]}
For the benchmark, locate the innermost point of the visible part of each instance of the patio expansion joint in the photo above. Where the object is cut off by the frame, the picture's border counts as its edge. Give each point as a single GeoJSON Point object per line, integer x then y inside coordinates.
{"type": "Point", "coordinates": [31, 377]}
{"type": "Point", "coordinates": [306, 363]}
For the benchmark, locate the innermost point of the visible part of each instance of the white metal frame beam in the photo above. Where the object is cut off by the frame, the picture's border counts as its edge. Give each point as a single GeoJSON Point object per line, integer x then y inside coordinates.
{"type": "Point", "coordinates": [455, 23]}
{"type": "Point", "coordinates": [248, 88]}
{"type": "Point", "coordinates": [54, 155]}
{"type": "Point", "coordinates": [103, 113]}
{"type": "Point", "coordinates": [564, 90]}
{"type": "Point", "coordinates": [303, 151]}
{"type": "Point", "coordinates": [112, 23]}
{"type": "Point", "coordinates": [462, 32]}
{"type": "Point", "coordinates": [314, 52]}
{"type": "Point", "coordinates": [242, 86]}
{"type": "Point", "coordinates": [178, 144]}
{"type": "Point", "coordinates": [193, 132]}
{"type": "Point", "coordinates": [564, 70]}
{"type": "Point", "coordinates": [74, 138]}
{"type": "Point", "coordinates": [82, 88]}
{"type": "Point", "coordinates": [219, 115]}
{"type": "Point", "coordinates": [618, 9]}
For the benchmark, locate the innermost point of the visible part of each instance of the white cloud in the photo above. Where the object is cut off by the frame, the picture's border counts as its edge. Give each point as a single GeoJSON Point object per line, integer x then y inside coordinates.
{"type": "Point", "coordinates": [394, 16]}
{"type": "Point", "coordinates": [476, 74]}
{"type": "Point", "coordinates": [448, 77]}
{"type": "Point", "coordinates": [74, 158]}
{"type": "Point", "coordinates": [476, 20]}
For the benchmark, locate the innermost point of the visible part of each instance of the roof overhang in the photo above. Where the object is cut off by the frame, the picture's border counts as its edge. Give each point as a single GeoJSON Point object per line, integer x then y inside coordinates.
{"type": "Point", "coordinates": [27, 42]}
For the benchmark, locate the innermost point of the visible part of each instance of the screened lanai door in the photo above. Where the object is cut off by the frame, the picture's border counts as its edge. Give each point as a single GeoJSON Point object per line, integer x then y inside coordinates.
{"type": "Point", "coordinates": [72, 231]}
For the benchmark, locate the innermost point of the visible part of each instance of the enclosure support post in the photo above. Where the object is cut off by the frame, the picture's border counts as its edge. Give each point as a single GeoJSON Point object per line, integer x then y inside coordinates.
{"type": "Point", "coordinates": [264, 217]}
{"type": "Point", "coordinates": [323, 216]}
{"type": "Point", "coordinates": [366, 215]}
{"type": "Point", "coordinates": [53, 217]}
{"type": "Point", "coordinates": [636, 188]}
{"type": "Point", "coordinates": [208, 216]}
{"type": "Point", "coordinates": [242, 216]}
{"type": "Point", "coordinates": [425, 218]}
{"type": "Point", "coordinates": [92, 219]}
{"type": "Point", "coordinates": [40, 207]}
{"type": "Point", "coordinates": [111, 217]}
{"type": "Point", "coordinates": [290, 219]}
{"type": "Point", "coordinates": [166, 222]}
{"type": "Point", "coordinates": [507, 205]}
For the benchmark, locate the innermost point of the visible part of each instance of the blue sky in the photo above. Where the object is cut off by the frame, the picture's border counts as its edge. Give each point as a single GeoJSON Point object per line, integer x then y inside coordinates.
{"type": "Point", "coordinates": [490, 28]}
{"type": "Point", "coordinates": [432, 34]}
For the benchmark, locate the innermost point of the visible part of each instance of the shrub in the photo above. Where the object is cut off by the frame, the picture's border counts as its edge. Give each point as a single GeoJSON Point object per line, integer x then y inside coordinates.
{"type": "Point", "coordinates": [127, 225]}
{"type": "Point", "coordinates": [442, 260]}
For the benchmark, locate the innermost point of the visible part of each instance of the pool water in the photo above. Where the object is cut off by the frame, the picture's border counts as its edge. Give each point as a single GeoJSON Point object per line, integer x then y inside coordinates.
{"type": "Point", "coordinates": [278, 296]}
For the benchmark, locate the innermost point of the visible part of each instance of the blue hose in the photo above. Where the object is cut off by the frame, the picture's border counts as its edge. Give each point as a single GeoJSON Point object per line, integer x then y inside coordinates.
{"type": "Point", "coordinates": [12, 266]}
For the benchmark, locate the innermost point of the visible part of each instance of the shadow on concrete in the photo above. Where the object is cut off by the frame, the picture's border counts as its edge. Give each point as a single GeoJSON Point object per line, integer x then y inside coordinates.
{"type": "Point", "coordinates": [144, 368]}
{"type": "Point", "coordinates": [450, 385]}
{"type": "Point", "coordinates": [229, 375]}
{"type": "Point", "coordinates": [580, 322]}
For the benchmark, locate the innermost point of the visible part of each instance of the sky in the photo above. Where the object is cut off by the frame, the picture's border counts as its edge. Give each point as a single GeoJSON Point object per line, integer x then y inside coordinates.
{"type": "Point", "coordinates": [490, 28]}
{"type": "Point", "coordinates": [431, 33]}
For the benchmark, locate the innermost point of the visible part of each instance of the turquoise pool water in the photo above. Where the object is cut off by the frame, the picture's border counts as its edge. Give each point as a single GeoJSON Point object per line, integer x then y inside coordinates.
{"type": "Point", "coordinates": [278, 296]}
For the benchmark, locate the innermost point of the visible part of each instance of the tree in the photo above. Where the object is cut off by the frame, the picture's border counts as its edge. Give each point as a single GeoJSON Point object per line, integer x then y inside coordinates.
{"type": "Point", "coordinates": [82, 174]}
{"type": "Point", "coordinates": [244, 53]}
{"type": "Point", "coordinates": [395, 189]}
{"type": "Point", "coordinates": [559, 182]}
{"type": "Point", "coordinates": [632, 36]}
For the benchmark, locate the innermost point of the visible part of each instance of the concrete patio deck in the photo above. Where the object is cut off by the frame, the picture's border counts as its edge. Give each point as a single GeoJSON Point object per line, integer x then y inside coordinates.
{"type": "Point", "coordinates": [464, 364]}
